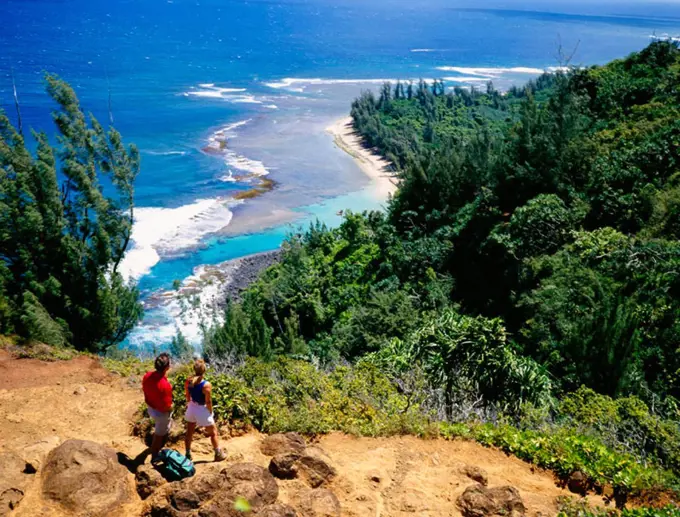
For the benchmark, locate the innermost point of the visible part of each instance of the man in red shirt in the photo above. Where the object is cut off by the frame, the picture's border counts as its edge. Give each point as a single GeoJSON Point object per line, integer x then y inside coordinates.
{"type": "Point", "coordinates": [158, 397]}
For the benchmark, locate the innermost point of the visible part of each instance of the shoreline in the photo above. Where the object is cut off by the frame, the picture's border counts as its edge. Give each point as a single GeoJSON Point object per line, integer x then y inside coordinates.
{"type": "Point", "coordinates": [375, 166]}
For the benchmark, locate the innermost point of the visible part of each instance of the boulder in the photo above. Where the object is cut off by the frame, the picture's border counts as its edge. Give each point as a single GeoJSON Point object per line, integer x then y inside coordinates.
{"type": "Point", "coordinates": [316, 467]}
{"type": "Point", "coordinates": [320, 503]}
{"type": "Point", "coordinates": [185, 500]}
{"type": "Point", "coordinates": [9, 500]}
{"type": "Point", "coordinates": [277, 510]}
{"type": "Point", "coordinates": [85, 478]}
{"type": "Point", "coordinates": [578, 483]}
{"type": "Point", "coordinates": [284, 466]}
{"type": "Point", "coordinates": [480, 501]}
{"type": "Point", "coordinates": [476, 474]}
{"type": "Point", "coordinates": [148, 479]}
{"type": "Point", "coordinates": [252, 482]}
{"type": "Point", "coordinates": [286, 443]}
{"type": "Point", "coordinates": [213, 492]}
{"type": "Point", "coordinates": [313, 466]}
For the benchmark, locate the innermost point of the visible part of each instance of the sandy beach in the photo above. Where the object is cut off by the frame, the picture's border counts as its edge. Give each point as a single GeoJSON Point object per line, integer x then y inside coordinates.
{"type": "Point", "coordinates": [375, 166]}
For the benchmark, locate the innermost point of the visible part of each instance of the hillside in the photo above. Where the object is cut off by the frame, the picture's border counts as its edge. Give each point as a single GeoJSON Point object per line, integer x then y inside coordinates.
{"type": "Point", "coordinates": [43, 404]}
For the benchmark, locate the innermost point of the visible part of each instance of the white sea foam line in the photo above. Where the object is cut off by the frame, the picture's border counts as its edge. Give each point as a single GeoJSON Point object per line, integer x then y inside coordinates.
{"type": "Point", "coordinates": [209, 90]}
{"type": "Point", "coordinates": [165, 231]}
{"type": "Point", "coordinates": [209, 291]}
{"type": "Point", "coordinates": [165, 153]}
{"type": "Point", "coordinates": [242, 163]}
{"type": "Point", "coordinates": [290, 81]}
{"type": "Point", "coordinates": [466, 79]}
{"type": "Point", "coordinates": [245, 99]}
{"type": "Point", "coordinates": [424, 50]}
{"type": "Point", "coordinates": [490, 72]}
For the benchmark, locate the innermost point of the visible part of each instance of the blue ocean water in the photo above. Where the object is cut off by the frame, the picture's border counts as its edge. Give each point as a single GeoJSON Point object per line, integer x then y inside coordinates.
{"type": "Point", "coordinates": [271, 75]}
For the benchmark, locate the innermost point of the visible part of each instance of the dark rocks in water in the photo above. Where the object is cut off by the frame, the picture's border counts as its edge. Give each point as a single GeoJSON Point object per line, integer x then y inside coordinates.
{"type": "Point", "coordinates": [247, 271]}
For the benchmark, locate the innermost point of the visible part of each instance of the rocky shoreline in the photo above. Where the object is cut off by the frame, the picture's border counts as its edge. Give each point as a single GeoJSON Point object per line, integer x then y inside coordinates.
{"type": "Point", "coordinates": [244, 271]}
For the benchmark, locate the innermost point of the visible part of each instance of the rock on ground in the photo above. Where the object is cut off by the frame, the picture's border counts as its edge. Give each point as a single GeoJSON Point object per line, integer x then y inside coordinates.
{"type": "Point", "coordinates": [278, 510]}
{"type": "Point", "coordinates": [480, 501]}
{"type": "Point", "coordinates": [320, 503]}
{"type": "Point", "coordinates": [285, 443]}
{"type": "Point", "coordinates": [86, 479]}
{"type": "Point", "coordinates": [476, 474]}
{"type": "Point", "coordinates": [213, 493]}
{"type": "Point", "coordinates": [148, 479]}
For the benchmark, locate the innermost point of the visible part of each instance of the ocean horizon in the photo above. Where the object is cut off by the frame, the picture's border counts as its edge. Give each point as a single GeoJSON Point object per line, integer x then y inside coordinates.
{"type": "Point", "coordinates": [179, 76]}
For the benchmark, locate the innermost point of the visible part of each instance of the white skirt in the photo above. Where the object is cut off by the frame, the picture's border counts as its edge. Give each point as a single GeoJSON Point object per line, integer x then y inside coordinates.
{"type": "Point", "coordinates": [199, 415]}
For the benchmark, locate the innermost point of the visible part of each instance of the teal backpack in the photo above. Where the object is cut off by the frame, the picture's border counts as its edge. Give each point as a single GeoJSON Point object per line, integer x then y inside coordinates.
{"type": "Point", "coordinates": [174, 466]}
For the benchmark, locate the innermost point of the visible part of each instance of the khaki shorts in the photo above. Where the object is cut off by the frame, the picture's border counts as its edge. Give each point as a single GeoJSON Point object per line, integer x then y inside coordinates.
{"type": "Point", "coordinates": [162, 421]}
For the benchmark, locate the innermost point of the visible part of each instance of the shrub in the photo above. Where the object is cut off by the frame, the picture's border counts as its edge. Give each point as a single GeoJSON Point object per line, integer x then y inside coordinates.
{"type": "Point", "coordinates": [564, 452]}
{"type": "Point", "coordinates": [293, 395]}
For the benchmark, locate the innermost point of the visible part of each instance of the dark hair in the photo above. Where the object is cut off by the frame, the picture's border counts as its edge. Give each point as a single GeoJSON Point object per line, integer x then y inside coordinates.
{"type": "Point", "coordinates": [162, 362]}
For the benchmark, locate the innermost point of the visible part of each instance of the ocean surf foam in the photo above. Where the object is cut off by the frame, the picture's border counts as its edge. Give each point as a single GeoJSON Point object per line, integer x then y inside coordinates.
{"type": "Point", "coordinates": [491, 72]}
{"type": "Point", "coordinates": [161, 232]}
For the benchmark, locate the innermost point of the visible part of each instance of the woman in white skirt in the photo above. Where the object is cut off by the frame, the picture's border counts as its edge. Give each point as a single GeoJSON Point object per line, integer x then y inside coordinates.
{"type": "Point", "coordinates": [200, 410]}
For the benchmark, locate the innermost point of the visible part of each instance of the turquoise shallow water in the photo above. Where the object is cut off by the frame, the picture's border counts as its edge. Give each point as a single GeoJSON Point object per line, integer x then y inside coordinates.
{"type": "Point", "coordinates": [275, 74]}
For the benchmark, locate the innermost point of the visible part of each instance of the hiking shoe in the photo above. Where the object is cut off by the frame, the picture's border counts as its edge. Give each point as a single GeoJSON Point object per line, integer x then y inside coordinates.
{"type": "Point", "coordinates": [220, 455]}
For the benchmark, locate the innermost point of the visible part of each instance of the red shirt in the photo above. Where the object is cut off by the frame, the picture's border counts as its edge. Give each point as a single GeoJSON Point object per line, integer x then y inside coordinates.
{"type": "Point", "coordinates": [157, 391]}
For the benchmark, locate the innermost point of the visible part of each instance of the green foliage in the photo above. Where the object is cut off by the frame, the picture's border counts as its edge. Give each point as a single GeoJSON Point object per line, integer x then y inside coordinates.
{"type": "Point", "coordinates": [180, 348]}
{"type": "Point", "coordinates": [292, 395]}
{"type": "Point", "coordinates": [580, 508]}
{"type": "Point", "coordinates": [626, 424]}
{"type": "Point", "coordinates": [531, 249]}
{"type": "Point", "coordinates": [61, 238]}
{"type": "Point", "coordinates": [564, 452]}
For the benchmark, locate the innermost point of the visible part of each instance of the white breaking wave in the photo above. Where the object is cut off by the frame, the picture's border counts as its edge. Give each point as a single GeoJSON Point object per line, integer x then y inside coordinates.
{"type": "Point", "coordinates": [252, 167]}
{"type": "Point", "coordinates": [491, 72]}
{"type": "Point", "coordinates": [167, 231]}
{"type": "Point", "coordinates": [229, 177]}
{"type": "Point", "coordinates": [466, 79]}
{"type": "Point", "coordinates": [243, 99]}
{"type": "Point", "coordinates": [425, 50]}
{"type": "Point", "coordinates": [206, 285]}
{"type": "Point", "coordinates": [212, 91]}
{"type": "Point", "coordinates": [271, 106]}
{"type": "Point", "coordinates": [165, 153]}
{"type": "Point", "coordinates": [289, 82]}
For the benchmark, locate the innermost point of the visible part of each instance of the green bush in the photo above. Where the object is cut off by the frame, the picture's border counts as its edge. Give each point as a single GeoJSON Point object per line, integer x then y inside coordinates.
{"type": "Point", "coordinates": [579, 508]}
{"type": "Point", "coordinates": [293, 395]}
{"type": "Point", "coordinates": [564, 452]}
{"type": "Point", "coordinates": [626, 424]}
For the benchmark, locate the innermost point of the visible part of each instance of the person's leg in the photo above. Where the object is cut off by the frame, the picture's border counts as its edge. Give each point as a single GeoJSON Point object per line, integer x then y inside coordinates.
{"type": "Point", "coordinates": [214, 439]}
{"type": "Point", "coordinates": [161, 430]}
{"type": "Point", "coordinates": [157, 444]}
{"type": "Point", "coordinates": [188, 437]}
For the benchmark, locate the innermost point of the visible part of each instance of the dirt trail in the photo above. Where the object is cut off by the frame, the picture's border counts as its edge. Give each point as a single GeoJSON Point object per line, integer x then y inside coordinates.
{"type": "Point", "coordinates": [381, 477]}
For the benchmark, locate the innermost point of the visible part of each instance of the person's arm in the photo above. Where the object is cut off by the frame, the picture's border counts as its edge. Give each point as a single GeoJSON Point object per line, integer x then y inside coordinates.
{"type": "Point", "coordinates": [207, 391]}
{"type": "Point", "coordinates": [186, 391]}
